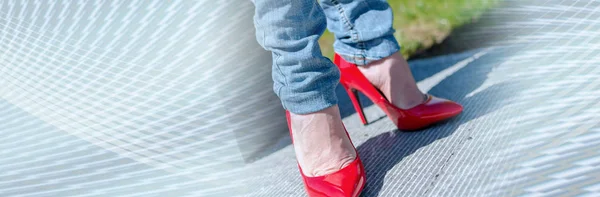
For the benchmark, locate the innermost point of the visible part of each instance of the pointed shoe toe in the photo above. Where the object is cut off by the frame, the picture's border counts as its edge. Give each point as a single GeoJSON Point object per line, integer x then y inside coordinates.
{"type": "Point", "coordinates": [347, 182]}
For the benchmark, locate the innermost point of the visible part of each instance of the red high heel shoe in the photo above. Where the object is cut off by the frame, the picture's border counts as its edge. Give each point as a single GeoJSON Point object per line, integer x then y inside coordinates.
{"type": "Point", "coordinates": [429, 112]}
{"type": "Point", "coordinates": [347, 182]}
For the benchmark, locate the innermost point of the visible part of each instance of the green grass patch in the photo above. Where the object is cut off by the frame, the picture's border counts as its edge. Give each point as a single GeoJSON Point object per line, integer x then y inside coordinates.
{"type": "Point", "coordinates": [420, 24]}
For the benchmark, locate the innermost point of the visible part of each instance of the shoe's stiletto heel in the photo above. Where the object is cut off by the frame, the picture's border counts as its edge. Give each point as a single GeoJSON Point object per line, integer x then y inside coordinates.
{"type": "Point", "coordinates": [354, 97]}
{"type": "Point", "coordinates": [347, 182]}
{"type": "Point", "coordinates": [431, 111]}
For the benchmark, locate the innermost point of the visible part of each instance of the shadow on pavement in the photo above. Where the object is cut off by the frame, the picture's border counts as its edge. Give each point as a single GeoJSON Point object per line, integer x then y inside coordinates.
{"type": "Point", "coordinates": [381, 153]}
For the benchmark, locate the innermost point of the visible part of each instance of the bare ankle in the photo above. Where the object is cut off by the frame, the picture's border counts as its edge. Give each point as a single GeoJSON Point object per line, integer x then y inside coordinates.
{"type": "Point", "coordinates": [320, 142]}
{"type": "Point", "coordinates": [392, 76]}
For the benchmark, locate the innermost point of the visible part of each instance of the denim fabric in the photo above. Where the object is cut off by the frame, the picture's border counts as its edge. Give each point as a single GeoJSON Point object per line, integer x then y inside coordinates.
{"type": "Point", "coordinates": [304, 79]}
{"type": "Point", "coordinates": [362, 28]}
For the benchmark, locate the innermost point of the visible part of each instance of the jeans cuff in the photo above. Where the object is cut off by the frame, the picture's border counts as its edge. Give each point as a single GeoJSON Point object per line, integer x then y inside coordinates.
{"type": "Point", "coordinates": [366, 52]}
{"type": "Point", "coordinates": [310, 102]}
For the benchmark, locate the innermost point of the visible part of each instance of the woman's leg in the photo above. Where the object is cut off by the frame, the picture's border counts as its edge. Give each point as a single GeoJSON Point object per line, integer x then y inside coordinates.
{"type": "Point", "coordinates": [303, 78]}
{"type": "Point", "coordinates": [365, 36]}
{"type": "Point", "coordinates": [305, 81]}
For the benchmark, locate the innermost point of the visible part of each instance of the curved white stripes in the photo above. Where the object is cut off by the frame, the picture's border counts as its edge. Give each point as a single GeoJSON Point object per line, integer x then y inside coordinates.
{"type": "Point", "coordinates": [130, 98]}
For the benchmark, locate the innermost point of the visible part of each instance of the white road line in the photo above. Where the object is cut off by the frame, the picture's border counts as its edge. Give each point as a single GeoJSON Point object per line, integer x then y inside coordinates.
{"type": "Point", "coordinates": [426, 84]}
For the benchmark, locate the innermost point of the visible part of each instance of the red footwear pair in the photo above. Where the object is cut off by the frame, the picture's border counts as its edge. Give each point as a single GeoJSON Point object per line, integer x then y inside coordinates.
{"type": "Point", "coordinates": [350, 180]}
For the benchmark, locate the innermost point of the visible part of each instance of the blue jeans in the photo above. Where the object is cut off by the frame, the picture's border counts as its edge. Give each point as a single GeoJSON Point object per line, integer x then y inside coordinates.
{"type": "Point", "coordinates": [304, 79]}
